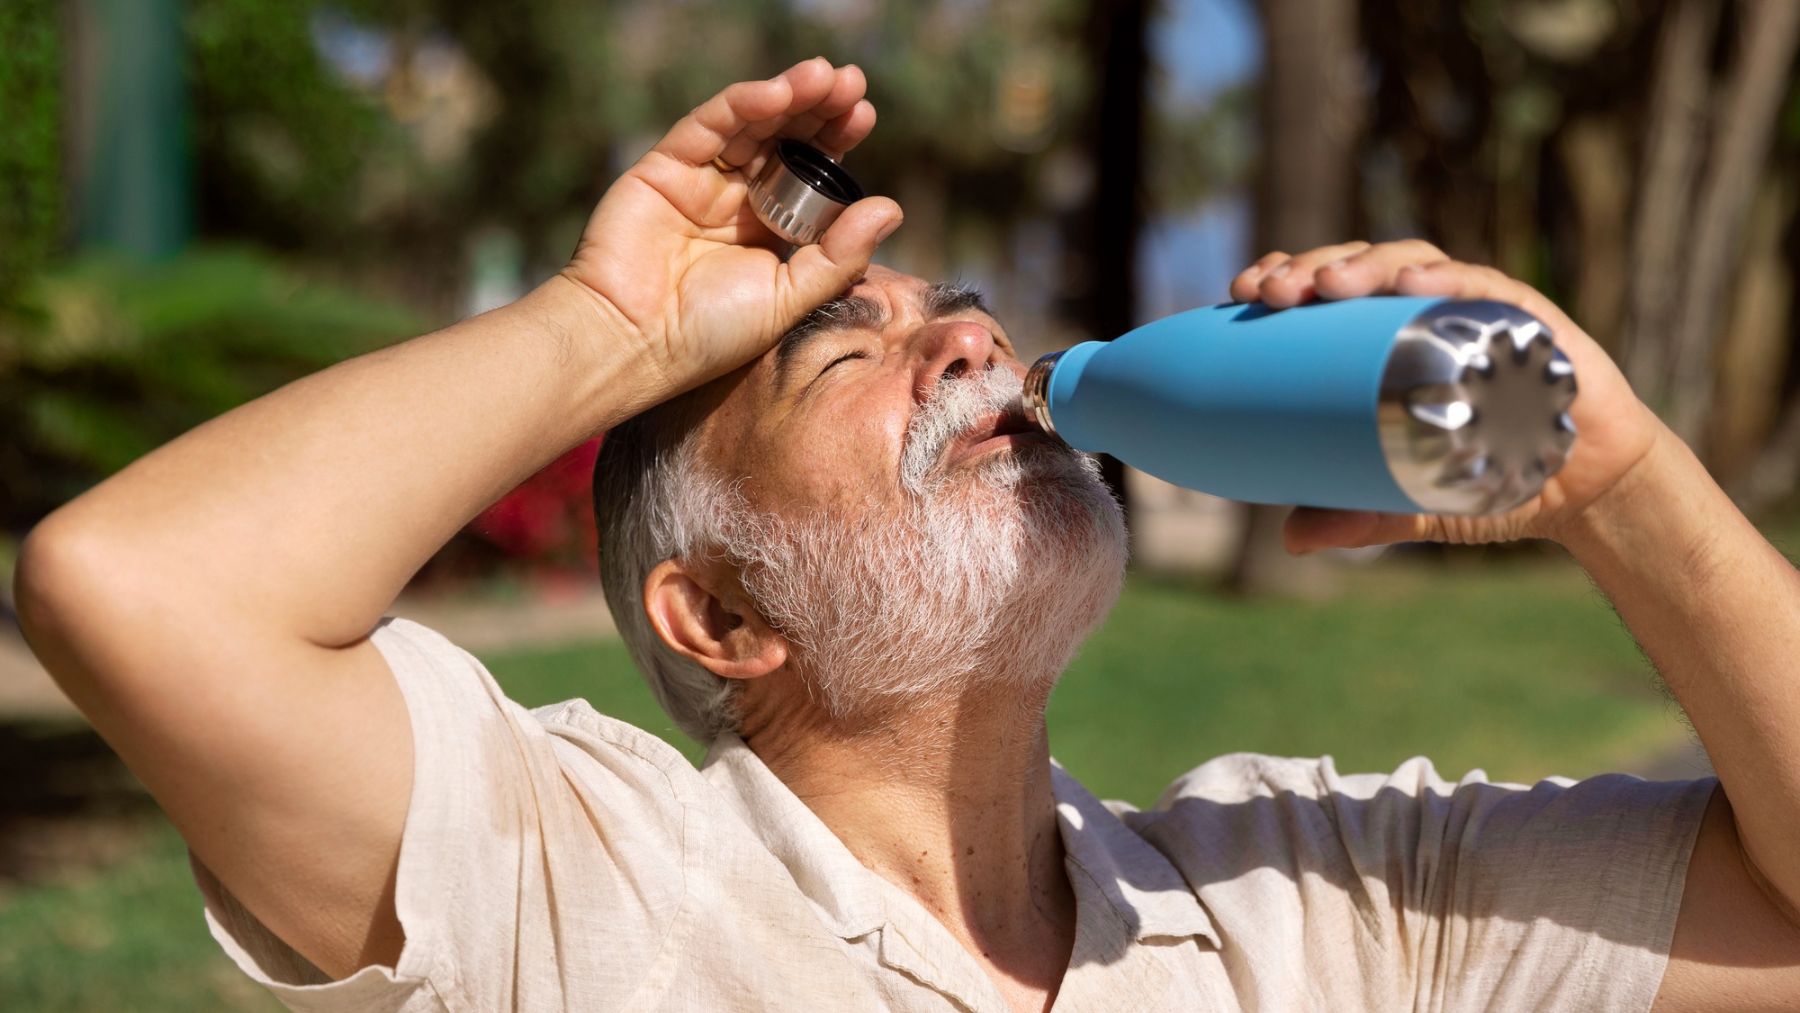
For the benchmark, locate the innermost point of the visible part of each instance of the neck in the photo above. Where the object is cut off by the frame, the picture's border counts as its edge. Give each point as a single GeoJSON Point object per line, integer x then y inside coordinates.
{"type": "Point", "coordinates": [952, 803]}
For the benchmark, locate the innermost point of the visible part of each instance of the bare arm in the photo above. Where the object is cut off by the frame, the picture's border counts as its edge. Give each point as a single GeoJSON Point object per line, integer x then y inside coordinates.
{"type": "Point", "coordinates": [1717, 609]}
{"type": "Point", "coordinates": [1713, 604]}
{"type": "Point", "coordinates": [208, 607]}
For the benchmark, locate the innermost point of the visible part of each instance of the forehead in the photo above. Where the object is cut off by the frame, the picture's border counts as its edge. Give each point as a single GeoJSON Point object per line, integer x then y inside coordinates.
{"type": "Point", "coordinates": [872, 308]}
{"type": "Point", "coordinates": [884, 299]}
{"type": "Point", "coordinates": [881, 296]}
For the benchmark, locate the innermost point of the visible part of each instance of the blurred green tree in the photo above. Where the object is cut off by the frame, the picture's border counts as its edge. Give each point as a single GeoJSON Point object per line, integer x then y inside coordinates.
{"type": "Point", "coordinates": [113, 358]}
{"type": "Point", "coordinates": [401, 148]}
{"type": "Point", "coordinates": [281, 142]}
{"type": "Point", "coordinates": [30, 145]}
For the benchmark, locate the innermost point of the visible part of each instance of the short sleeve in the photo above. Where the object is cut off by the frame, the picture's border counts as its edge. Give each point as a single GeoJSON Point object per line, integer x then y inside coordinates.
{"type": "Point", "coordinates": [1411, 891]}
{"type": "Point", "coordinates": [536, 869]}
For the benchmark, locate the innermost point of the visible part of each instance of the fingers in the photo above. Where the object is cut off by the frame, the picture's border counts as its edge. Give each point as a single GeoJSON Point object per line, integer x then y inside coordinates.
{"type": "Point", "coordinates": [702, 135]}
{"type": "Point", "coordinates": [1407, 267]}
{"type": "Point", "coordinates": [1472, 281]}
{"type": "Point", "coordinates": [1340, 271]}
{"type": "Point", "coordinates": [1291, 283]}
{"type": "Point", "coordinates": [812, 101]}
{"type": "Point", "coordinates": [816, 273]}
{"type": "Point", "coordinates": [1309, 529]}
{"type": "Point", "coordinates": [821, 93]}
{"type": "Point", "coordinates": [847, 131]}
{"type": "Point", "coordinates": [1374, 269]}
{"type": "Point", "coordinates": [1245, 287]}
{"type": "Point", "coordinates": [845, 94]}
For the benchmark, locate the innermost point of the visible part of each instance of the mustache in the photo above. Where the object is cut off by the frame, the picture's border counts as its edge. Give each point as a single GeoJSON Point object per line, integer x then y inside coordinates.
{"type": "Point", "coordinates": [955, 405]}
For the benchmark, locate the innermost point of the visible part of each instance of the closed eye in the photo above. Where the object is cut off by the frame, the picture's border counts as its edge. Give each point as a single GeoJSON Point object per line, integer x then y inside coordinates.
{"type": "Point", "coordinates": [846, 357]}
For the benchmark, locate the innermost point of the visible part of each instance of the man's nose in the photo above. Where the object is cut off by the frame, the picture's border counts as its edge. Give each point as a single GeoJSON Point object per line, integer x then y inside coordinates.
{"type": "Point", "coordinates": [952, 348]}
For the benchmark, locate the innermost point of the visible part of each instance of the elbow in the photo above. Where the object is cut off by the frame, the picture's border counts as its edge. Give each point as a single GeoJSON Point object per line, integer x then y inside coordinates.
{"type": "Point", "coordinates": [35, 580]}
{"type": "Point", "coordinates": [57, 592]}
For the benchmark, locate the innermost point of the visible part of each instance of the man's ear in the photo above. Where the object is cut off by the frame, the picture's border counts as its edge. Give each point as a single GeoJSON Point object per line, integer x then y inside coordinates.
{"type": "Point", "coordinates": [703, 616]}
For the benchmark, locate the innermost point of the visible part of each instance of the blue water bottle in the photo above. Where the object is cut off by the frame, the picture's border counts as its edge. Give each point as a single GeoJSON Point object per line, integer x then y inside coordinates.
{"type": "Point", "coordinates": [1397, 404]}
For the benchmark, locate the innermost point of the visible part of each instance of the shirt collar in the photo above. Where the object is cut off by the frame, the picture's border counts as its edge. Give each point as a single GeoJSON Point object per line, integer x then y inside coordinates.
{"type": "Point", "coordinates": [843, 890]}
{"type": "Point", "coordinates": [1135, 881]}
{"type": "Point", "coordinates": [1107, 860]}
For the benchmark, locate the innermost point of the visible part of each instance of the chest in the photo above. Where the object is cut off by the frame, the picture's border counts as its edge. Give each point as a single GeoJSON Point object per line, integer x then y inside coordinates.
{"type": "Point", "coordinates": [761, 961]}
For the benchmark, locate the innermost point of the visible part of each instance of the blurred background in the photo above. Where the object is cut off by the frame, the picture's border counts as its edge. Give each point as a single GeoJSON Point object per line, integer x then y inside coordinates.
{"type": "Point", "coordinates": [201, 200]}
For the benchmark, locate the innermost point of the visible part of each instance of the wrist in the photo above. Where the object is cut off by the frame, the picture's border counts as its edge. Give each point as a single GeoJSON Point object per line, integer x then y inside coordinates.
{"type": "Point", "coordinates": [598, 342]}
{"type": "Point", "coordinates": [1666, 506]}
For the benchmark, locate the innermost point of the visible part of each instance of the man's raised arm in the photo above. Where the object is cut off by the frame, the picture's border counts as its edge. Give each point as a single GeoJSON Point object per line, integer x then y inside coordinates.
{"type": "Point", "coordinates": [1717, 610]}
{"type": "Point", "coordinates": [209, 606]}
{"type": "Point", "coordinates": [1712, 603]}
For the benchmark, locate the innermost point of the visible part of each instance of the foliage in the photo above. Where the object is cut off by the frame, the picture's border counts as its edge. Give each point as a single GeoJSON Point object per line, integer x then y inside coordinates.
{"type": "Point", "coordinates": [281, 143]}
{"type": "Point", "coordinates": [116, 358]}
{"type": "Point", "coordinates": [1202, 152]}
{"type": "Point", "coordinates": [30, 141]}
{"type": "Point", "coordinates": [291, 151]}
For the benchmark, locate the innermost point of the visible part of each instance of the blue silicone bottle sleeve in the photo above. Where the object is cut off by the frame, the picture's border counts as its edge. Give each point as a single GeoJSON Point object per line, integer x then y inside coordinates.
{"type": "Point", "coordinates": [1245, 402]}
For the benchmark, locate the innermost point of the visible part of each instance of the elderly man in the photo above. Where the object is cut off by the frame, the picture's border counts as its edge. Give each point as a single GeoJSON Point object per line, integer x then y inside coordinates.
{"type": "Point", "coordinates": [838, 556]}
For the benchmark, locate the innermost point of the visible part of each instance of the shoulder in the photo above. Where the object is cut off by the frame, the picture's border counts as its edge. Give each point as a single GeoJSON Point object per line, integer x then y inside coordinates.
{"type": "Point", "coordinates": [1302, 815]}
{"type": "Point", "coordinates": [538, 844]}
{"type": "Point", "coordinates": [1475, 890]}
{"type": "Point", "coordinates": [463, 713]}
{"type": "Point", "coordinates": [1307, 795]}
{"type": "Point", "coordinates": [583, 735]}
{"type": "Point", "coordinates": [1238, 777]}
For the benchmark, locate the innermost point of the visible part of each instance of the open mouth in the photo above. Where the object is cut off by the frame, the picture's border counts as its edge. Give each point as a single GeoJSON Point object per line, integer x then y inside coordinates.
{"type": "Point", "coordinates": [994, 431]}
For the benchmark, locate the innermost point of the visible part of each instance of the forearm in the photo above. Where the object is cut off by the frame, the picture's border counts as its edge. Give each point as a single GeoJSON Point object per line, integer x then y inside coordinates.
{"type": "Point", "coordinates": [307, 510]}
{"type": "Point", "coordinates": [1717, 610]}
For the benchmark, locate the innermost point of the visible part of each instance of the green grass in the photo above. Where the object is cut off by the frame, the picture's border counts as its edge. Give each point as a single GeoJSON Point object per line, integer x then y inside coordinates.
{"type": "Point", "coordinates": [1521, 670]}
{"type": "Point", "coordinates": [129, 937]}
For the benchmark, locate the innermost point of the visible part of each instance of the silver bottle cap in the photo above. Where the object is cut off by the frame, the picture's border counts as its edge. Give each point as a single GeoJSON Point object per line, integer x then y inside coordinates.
{"type": "Point", "coordinates": [1473, 411]}
{"type": "Point", "coordinates": [800, 192]}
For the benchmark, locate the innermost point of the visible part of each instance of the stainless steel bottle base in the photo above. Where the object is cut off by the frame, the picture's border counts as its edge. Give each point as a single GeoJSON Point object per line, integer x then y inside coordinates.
{"type": "Point", "coordinates": [1474, 407]}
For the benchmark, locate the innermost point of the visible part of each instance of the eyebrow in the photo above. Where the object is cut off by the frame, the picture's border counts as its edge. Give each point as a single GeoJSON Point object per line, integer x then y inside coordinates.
{"type": "Point", "coordinates": [947, 297]}
{"type": "Point", "coordinates": [855, 312]}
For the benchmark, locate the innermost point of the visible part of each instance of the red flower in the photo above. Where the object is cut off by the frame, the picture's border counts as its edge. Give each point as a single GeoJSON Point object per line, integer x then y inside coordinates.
{"type": "Point", "coordinates": [549, 518]}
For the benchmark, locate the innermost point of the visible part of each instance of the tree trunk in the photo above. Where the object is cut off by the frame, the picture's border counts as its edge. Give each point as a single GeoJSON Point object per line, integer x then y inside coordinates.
{"type": "Point", "coordinates": [924, 193]}
{"type": "Point", "coordinates": [1769, 30]}
{"type": "Point", "coordinates": [1676, 136]}
{"type": "Point", "coordinates": [1104, 240]}
{"type": "Point", "coordinates": [1777, 471]}
{"type": "Point", "coordinates": [1753, 357]}
{"type": "Point", "coordinates": [1596, 165]}
{"type": "Point", "coordinates": [1305, 193]}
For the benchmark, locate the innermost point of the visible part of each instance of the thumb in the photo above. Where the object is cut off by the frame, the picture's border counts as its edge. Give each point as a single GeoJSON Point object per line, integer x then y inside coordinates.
{"type": "Point", "coordinates": [818, 272]}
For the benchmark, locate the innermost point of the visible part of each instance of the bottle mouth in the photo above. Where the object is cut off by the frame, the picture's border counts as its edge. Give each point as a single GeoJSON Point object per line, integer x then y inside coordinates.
{"type": "Point", "coordinates": [1035, 398]}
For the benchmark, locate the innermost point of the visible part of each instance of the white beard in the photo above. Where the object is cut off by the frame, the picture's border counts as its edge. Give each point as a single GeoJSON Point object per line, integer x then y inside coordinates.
{"type": "Point", "coordinates": [990, 574]}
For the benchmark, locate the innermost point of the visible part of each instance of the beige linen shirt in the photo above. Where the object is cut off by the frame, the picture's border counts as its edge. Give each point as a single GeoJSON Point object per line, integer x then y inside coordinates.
{"type": "Point", "coordinates": [560, 859]}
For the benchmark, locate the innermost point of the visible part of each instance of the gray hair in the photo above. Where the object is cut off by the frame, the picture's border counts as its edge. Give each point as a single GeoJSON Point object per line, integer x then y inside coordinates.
{"type": "Point", "coordinates": [653, 501]}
